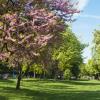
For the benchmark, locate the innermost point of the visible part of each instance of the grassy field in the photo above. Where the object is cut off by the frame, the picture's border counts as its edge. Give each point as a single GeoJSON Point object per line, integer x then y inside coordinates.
{"type": "Point", "coordinates": [50, 90]}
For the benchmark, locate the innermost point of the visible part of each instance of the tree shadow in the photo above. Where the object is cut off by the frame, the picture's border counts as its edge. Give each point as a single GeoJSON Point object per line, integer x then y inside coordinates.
{"type": "Point", "coordinates": [29, 94]}
{"type": "Point", "coordinates": [41, 80]}
{"type": "Point", "coordinates": [3, 98]}
{"type": "Point", "coordinates": [6, 81]}
{"type": "Point", "coordinates": [73, 82]}
{"type": "Point", "coordinates": [48, 91]}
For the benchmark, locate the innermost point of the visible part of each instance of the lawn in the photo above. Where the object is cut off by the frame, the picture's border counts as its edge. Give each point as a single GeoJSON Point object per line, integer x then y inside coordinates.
{"type": "Point", "coordinates": [34, 89]}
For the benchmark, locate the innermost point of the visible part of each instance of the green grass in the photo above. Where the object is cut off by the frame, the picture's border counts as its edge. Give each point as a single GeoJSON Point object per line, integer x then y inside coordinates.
{"type": "Point", "coordinates": [50, 90]}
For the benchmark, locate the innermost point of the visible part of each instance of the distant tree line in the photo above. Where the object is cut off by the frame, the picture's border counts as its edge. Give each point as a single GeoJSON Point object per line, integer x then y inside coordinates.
{"type": "Point", "coordinates": [92, 67]}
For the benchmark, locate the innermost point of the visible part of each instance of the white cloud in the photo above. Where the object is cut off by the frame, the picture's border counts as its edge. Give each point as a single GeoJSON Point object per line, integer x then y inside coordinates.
{"type": "Point", "coordinates": [90, 16]}
{"type": "Point", "coordinates": [82, 4]}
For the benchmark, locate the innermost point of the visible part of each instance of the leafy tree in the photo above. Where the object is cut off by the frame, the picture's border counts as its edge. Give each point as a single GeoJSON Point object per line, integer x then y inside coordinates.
{"type": "Point", "coordinates": [69, 55]}
{"type": "Point", "coordinates": [96, 51]}
{"type": "Point", "coordinates": [90, 67]}
{"type": "Point", "coordinates": [24, 33]}
{"type": "Point", "coordinates": [23, 37]}
{"type": "Point", "coordinates": [36, 69]}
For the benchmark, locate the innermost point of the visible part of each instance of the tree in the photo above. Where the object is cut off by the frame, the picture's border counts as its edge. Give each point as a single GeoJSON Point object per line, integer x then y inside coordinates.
{"type": "Point", "coordinates": [90, 68]}
{"type": "Point", "coordinates": [23, 37]}
{"type": "Point", "coordinates": [96, 51]}
{"type": "Point", "coordinates": [69, 54]}
{"type": "Point", "coordinates": [25, 33]}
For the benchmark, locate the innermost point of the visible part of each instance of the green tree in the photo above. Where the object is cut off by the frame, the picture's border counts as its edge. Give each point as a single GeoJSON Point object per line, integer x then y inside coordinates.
{"type": "Point", "coordinates": [90, 67]}
{"type": "Point", "coordinates": [69, 54]}
{"type": "Point", "coordinates": [96, 51]}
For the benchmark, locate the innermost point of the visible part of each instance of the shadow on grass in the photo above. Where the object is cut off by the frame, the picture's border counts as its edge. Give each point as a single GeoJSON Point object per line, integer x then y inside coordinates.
{"type": "Point", "coordinates": [72, 82]}
{"type": "Point", "coordinates": [40, 80]}
{"type": "Point", "coordinates": [50, 91]}
{"type": "Point", "coordinates": [3, 98]}
{"type": "Point", "coordinates": [27, 94]}
{"type": "Point", "coordinates": [6, 81]}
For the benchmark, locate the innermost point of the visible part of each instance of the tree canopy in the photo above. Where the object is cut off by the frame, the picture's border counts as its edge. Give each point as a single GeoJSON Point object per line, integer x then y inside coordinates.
{"type": "Point", "coordinates": [30, 29]}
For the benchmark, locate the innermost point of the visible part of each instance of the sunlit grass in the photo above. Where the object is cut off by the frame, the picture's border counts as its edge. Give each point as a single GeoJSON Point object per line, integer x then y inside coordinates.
{"type": "Point", "coordinates": [34, 89]}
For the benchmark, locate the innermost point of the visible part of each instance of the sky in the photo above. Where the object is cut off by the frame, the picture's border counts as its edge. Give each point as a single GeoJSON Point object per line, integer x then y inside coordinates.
{"type": "Point", "coordinates": [86, 23]}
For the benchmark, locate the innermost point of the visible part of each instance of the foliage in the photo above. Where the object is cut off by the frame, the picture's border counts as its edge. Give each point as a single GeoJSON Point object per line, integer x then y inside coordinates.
{"type": "Point", "coordinates": [69, 54]}
{"type": "Point", "coordinates": [88, 69]}
{"type": "Point", "coordinates": [67, 74]}
{"type": "Point", "coordinates": [62, 8]}
{"type": "Point", "coordinates": [20, 28]}
{"type": "Point", "coordinates": [29, 28]}
{"type": "Point", "coordinates": [37, 68]}
{"type": "Point", "coordinates": [3, 68]}
{"type": "Point", "coordinates": [23, 35]}
{"type": "Point", "coordinates": [96, 49]}
{"type": "Point", "coordinates": [91, 68]}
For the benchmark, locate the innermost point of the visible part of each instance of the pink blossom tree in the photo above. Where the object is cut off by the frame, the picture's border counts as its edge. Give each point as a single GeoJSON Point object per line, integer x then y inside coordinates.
{"type": "Point", "coordinates": [25, 34]}
{"type": "Point", "coordinates": [23, 37]}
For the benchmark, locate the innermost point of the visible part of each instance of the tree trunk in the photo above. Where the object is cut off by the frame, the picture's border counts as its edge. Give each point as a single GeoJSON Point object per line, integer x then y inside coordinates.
{"type": "Point", "coordinates": [44, 75]}
{"type": "Point", "coordinates": [19, 77]}
{"type": "Point", "coordinates": [18, 82]}
{"type": "Point", "coordinates": [34, 74]}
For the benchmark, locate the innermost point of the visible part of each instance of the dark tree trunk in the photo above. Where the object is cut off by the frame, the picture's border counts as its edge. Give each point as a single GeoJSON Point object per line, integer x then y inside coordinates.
{"type": "Point", "coordinates": [18, 82]}
{"type": "Point", "coordinates": [19, 77]}
{"type": "Point", "coordinates": [44, 75]}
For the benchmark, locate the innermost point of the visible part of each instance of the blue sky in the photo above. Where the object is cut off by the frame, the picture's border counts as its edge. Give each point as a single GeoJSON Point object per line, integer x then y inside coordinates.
{"type": "Point", "coordinates": [86, 22]}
